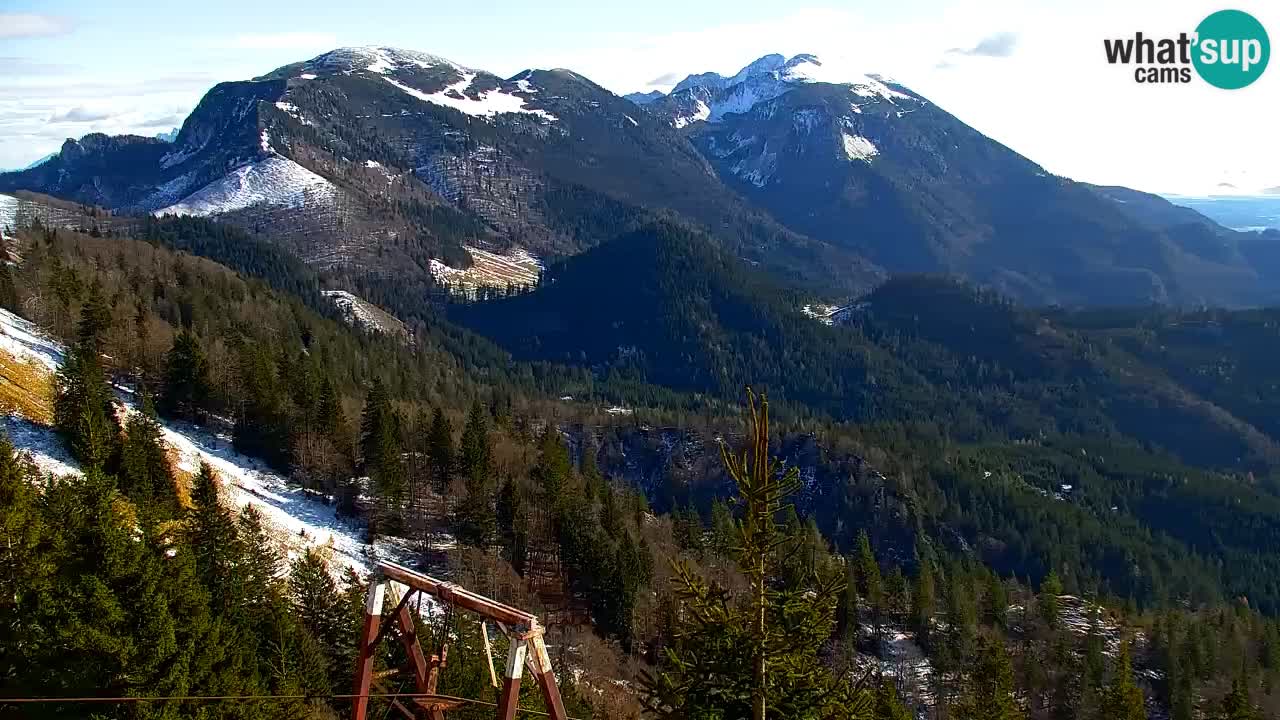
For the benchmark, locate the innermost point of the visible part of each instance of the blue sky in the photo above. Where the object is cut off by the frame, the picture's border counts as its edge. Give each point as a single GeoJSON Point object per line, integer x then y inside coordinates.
{"type": "Point", "coordinates": [1030, 74]}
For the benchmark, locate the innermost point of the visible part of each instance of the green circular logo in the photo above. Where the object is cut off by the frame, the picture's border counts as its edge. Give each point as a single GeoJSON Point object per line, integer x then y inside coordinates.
{"type": "Point", "coordinates": [1232, 49]}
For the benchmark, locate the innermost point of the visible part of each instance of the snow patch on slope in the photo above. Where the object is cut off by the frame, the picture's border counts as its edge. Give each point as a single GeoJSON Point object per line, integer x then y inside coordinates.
{"type": "Point", "coordinates": [8, 215]}
{"type": "Point", "coordinates": [490, 103]}
{"type": "Point", "coordinates": [361, 313]}
{"type": "Point", "coordinates": [300, 519]}
{"type": "Point", "coordinates": [380, 60]}
{"type": "Point", "coordinates": [857, 147]}
{"type": "Point", "coordinates": [274, 181]}
{"type": "Point", "coordinates": [701, 112]}
{"type": "Point", "coordinates": [22, 339]}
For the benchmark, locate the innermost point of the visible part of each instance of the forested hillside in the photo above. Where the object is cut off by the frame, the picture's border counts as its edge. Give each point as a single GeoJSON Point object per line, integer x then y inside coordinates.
{"type": "Point", "coordinates": [947, 547]}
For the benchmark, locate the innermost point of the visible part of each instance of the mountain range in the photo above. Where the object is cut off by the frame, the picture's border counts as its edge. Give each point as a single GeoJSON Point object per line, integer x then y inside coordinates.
{"type": "Point", "coordinates": [397, 167]}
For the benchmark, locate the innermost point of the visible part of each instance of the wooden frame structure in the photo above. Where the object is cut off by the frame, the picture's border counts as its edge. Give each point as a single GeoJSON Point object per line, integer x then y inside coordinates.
{"type": "Point", "coordinates": [521, 628]}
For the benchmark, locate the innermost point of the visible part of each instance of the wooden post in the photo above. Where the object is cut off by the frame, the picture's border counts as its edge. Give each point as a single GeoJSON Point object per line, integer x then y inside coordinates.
{"type": "Point", "coordinates": [412, 646]}
{"type": "Point", "coordinates": [364, 663]}
{"type": "Point", "coordinates": [511, 680]}
{"type": "Point", "coordinates": [541, 662]}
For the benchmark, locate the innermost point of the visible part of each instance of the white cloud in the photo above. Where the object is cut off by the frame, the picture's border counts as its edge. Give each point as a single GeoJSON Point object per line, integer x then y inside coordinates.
{"type": "Point", "coordinates": [26, 25]}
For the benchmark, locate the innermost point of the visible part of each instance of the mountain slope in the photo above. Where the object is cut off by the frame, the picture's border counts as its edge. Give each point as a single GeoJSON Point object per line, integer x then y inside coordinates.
{"type": "Point", "coordinates": [663, 305]}
{"type": "Point", "coordinates": [381, 159]}
{"type": "Point", "coordinates": [866, 164]}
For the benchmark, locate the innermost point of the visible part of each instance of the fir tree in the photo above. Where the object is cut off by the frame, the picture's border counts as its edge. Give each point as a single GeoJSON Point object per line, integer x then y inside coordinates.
{"type": "Point", "coordinates": [1047, 600]}
{"type": "Point", "coordinates": [995, 602]}
{"type": "Point", "coordinates": [888, 706]}
{"type": "Point", "coordinates": [475, 523]}
{"type": "Point", "coordinates": [1236, 705]}
{"type": "Point", "coordinates": [722, 529]}
{"type": "Point", "coordinates": [440, 450]}
{"type": "Point", "coordinates": [553, 468]}
{"type": "Point", "coordinates": [186, 389]}
{"type": "Point", "coordinates": [95, 319]}
{"type": "Point", "coordinates": [145, 475]}
{"type": "Point", "coordinates": [754, 656]}
{"type": "Point", "coordinates": [513, 525]}
{"type": "Point", "coordinates": [1123, 698]}
{"type": "Point", "coordinates": [380, 451]}
{"type": "Point", "coordinates": [214, 541]}
{"type": "Point", "coordinates": [26, 568]}
{"type": "Point", "coordinates": [869, 582]}
{"type": "Point", "coordinates": [923, 600]}
{"type": "Point", "coordinates": [8, 292]}
{"type": "Point", "coordinates": [990, 695]}
{"type": "Point", "coordinates": [84, 411]}
{"type": "Point", "coordinates": [474, 452]}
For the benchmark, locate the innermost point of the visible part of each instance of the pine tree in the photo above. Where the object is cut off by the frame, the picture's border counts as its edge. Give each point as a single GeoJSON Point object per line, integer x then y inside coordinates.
{"type": "Point", "coordinates": [553, 468]}
{"type": "Point", "coordinates": [474, 452]}
{"type": "Point", "coordinates": [26, 570]}
{"type": "Point", "coordinates": [990, 695]}
{"type": "Point", "coordinates": [592, 479]}
{"type": "Point", "coordinates": [1123, 698]}
{"type": "Point", "coordinates": [1236, 705]}
{"type": "Point", "coordinates": [380, 451]}
{"type": "Point", "coordinates": [869, 582]}
{"type": "Point", "coordinates": [145, 475]}
{"type": "Point", "coordinates": [513, 525]}
{"type": "Point", "coordinates": [8, 292]}
{"type": "Point", "coordinates": [214, 542]}
{"type": "Point", "coordinates": [777, 629]}
{"type": "Point", "coordinates": [1047, 600]}
{"type": "Point", "coordinates": [120, 634]}
{"type": "Point", "coordinates": [324, 613]}
{"type": "Point", "coordinates": [186, 390]}
{"type": "Point", "coordinates": [995, 602]}
{"type": "Point", "coordinates": [476, 524]}
{"type": "Point", "coordinates": [83, 408]}
{"type": "Point", "coordinates": [260, 420]}
{"type": "Point", "coordinates": [95, 319]}
{"type": "Point", "coordinates": [847, 617]}
{"type": "Point", "coordinates": [722, 529]}
{"type": "Point", "coordinates": [440, 450]}
{"type": "Point", "coordinates": [888, 706]}
{"type": "Point", "coordinates": [923, 601]}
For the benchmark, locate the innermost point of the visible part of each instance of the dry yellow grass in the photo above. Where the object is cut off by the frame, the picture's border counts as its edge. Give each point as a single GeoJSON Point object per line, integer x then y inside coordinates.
{"type": "Point", "coordinates": [26, 389]}
{"type": "Point", "coordinates": [182, 479]}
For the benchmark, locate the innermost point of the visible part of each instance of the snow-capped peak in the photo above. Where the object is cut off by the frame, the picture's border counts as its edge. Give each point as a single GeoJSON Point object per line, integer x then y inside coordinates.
{"type": "Point", "coordinates": [768, 64]}
{"type": "Point", "coordinates": [711, 96]}
{"type": "Point", "coordinates": [375, 59]}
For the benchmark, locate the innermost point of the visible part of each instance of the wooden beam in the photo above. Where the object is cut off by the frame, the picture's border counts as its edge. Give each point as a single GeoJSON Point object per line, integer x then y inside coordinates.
{"type": "Point", "coordinates": [373, 599]}
{"type": "Point", "coordinates": [463, 598]}
{"type": "Point", "coordinates": [412, 647]}
{"type": "Point", "coordinates": [510, 696]}
{"type": "Point", "coordinates": [546, 678]}
{"type": "Point", "coordinates": [488, 652]}
{"type": "Point", "coordinates": [391, 589]}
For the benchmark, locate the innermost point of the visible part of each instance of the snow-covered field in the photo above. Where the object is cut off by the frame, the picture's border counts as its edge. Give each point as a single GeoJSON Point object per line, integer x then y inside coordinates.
{"type": "Point", "coordinates": [489, 103]}
{"type": "Point", "coordinates": [299, 519]}
{"type": "Point", "coordinates": [275, 181]}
